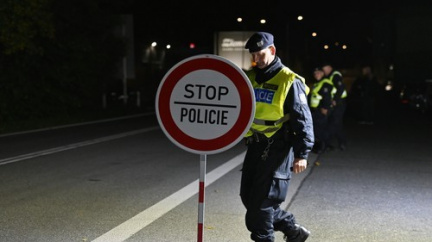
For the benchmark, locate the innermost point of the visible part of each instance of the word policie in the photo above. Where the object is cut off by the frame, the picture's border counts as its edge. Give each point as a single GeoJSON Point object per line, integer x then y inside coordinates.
{"type": "Point", "coordinates": [208, 116]}
{"type": "Point", "coordinates": [210, 113]}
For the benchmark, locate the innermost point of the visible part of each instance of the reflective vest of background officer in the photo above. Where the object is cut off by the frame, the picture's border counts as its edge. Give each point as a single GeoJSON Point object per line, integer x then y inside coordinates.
{"type": "Point", "coordinates": [322, 96]}
{"type": "Point", "coordinates": [339, 92]}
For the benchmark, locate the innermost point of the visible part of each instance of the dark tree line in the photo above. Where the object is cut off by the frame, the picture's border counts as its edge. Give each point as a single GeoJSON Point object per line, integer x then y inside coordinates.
{"type": "Point", "coordinates": [56, 57]}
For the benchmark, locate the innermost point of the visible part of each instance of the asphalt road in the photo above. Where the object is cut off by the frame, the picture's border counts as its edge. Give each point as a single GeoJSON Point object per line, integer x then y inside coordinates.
{"type": "Point", "coordinates": [123, 180]}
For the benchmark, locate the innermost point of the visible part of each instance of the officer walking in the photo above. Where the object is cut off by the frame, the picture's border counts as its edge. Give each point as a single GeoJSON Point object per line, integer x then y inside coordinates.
{"type": "Point", "coordinates": [279, 141]}
{"type": "Point", "coordinates": [320, 102]}
{"type": "Point", "coordinates": [336, 129]}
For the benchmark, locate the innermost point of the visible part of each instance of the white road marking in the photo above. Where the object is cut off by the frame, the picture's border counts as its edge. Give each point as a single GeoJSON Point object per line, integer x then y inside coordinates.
{"type": "Point", "coordinates": [73, 146]}
{"type": "Point", "coordinates": [146, 217]}
{"type": "Point", "coordinates": [76, 124]}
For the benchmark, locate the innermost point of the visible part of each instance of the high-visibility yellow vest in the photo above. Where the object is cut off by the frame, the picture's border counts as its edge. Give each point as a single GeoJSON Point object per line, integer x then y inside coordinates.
{"type": "Point", "coordinates": [270, 98]}
{"type": "Point", "coordinates": [315, 97]}
{"type": "Point", "coordinates": [344, 94]}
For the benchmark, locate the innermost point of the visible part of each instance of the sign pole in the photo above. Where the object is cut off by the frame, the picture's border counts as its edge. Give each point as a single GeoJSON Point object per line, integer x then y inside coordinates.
{"type": "Point", "coordinates": [201, 204]}
{"type": "Point", "coordinates": [205, 104]}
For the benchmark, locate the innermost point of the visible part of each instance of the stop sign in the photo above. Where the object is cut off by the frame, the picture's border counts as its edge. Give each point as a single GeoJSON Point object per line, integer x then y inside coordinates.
{"type": "Point", "coordinates": [205, 104]}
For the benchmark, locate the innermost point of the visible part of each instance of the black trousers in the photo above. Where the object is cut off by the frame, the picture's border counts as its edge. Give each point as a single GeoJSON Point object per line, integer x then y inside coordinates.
{"type": "Point", "coordinates": [264, 186]}
{"type": "Point", "coordinates": [335, 123]}
{"type": "Point", "coordinates": [320, 125]}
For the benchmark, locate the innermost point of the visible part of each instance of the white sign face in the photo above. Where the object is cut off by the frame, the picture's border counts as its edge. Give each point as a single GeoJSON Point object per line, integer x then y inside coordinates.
{"type": "Point", "coordinates": [205, 104]}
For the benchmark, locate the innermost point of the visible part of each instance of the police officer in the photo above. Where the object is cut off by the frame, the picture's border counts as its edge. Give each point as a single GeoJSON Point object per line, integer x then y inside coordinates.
{"type": "Point", "coordinates": [279, 141]}
{"type": "Point", "coordinates": [336, 129]}
{"type": "Point", "coordinates": [320, 102]}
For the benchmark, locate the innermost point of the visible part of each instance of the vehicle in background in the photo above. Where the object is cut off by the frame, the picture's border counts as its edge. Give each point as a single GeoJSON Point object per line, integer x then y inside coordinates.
{"type": "Point", "coordinates": [417, 96]}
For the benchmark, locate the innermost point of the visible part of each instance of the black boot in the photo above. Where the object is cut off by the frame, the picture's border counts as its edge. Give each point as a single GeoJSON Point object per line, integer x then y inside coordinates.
{"type": "Point", "coordinates": [298, 234]}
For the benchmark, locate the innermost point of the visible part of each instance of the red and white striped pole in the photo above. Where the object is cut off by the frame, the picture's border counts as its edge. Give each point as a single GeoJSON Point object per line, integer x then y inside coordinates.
{"type": "Point", "coordinates": [201, 204]}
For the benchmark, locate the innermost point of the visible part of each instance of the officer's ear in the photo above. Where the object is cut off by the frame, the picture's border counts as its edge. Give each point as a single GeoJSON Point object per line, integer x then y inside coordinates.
{"type": "Point", "coordinates": [272, 49]}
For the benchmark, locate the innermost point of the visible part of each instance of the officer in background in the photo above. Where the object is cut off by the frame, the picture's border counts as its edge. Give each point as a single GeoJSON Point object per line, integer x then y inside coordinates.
{"type": "Point", "coordinates": [336, 129]}
{"type": "Point", "coordinates": [279, 141]}
{"type": "Point", "coordinates": [320, 102]}
{"type": "Point", "coordinates": [363, 94]}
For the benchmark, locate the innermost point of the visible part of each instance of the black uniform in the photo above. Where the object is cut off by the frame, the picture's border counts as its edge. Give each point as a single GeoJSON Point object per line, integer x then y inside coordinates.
{"type": "Point", "coordinates": [264, 183]}
{"type": "Point", "coordinates": [362, 98]}
{"type": "Point", "coordinates": [320, 120]}
{"type": "Point", "coordinates": [336, 129]}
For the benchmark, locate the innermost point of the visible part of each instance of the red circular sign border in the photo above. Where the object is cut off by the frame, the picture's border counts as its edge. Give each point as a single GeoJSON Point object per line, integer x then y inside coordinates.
{"type": "Point", "coordinates": [199, 63]}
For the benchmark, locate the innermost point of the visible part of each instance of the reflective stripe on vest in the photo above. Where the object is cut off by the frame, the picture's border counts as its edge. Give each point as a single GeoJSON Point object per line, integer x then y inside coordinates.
{"type": "Point", "coordinates": [272, 122]}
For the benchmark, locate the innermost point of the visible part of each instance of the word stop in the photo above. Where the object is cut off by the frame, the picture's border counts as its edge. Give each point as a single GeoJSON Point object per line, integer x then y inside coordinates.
{"type": "Point", "coordinates": [206, 113]}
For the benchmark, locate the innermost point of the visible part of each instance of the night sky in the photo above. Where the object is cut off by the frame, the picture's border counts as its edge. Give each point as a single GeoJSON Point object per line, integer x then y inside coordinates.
{"type": "Point", "coordinates": [370, 29]}
{"type": "Point", "coordinates": [181, 22]}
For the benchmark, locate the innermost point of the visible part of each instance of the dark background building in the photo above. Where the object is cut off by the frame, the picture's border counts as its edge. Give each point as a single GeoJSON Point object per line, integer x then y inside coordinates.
{"type": "Point", "coordinates": [62, 58]}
